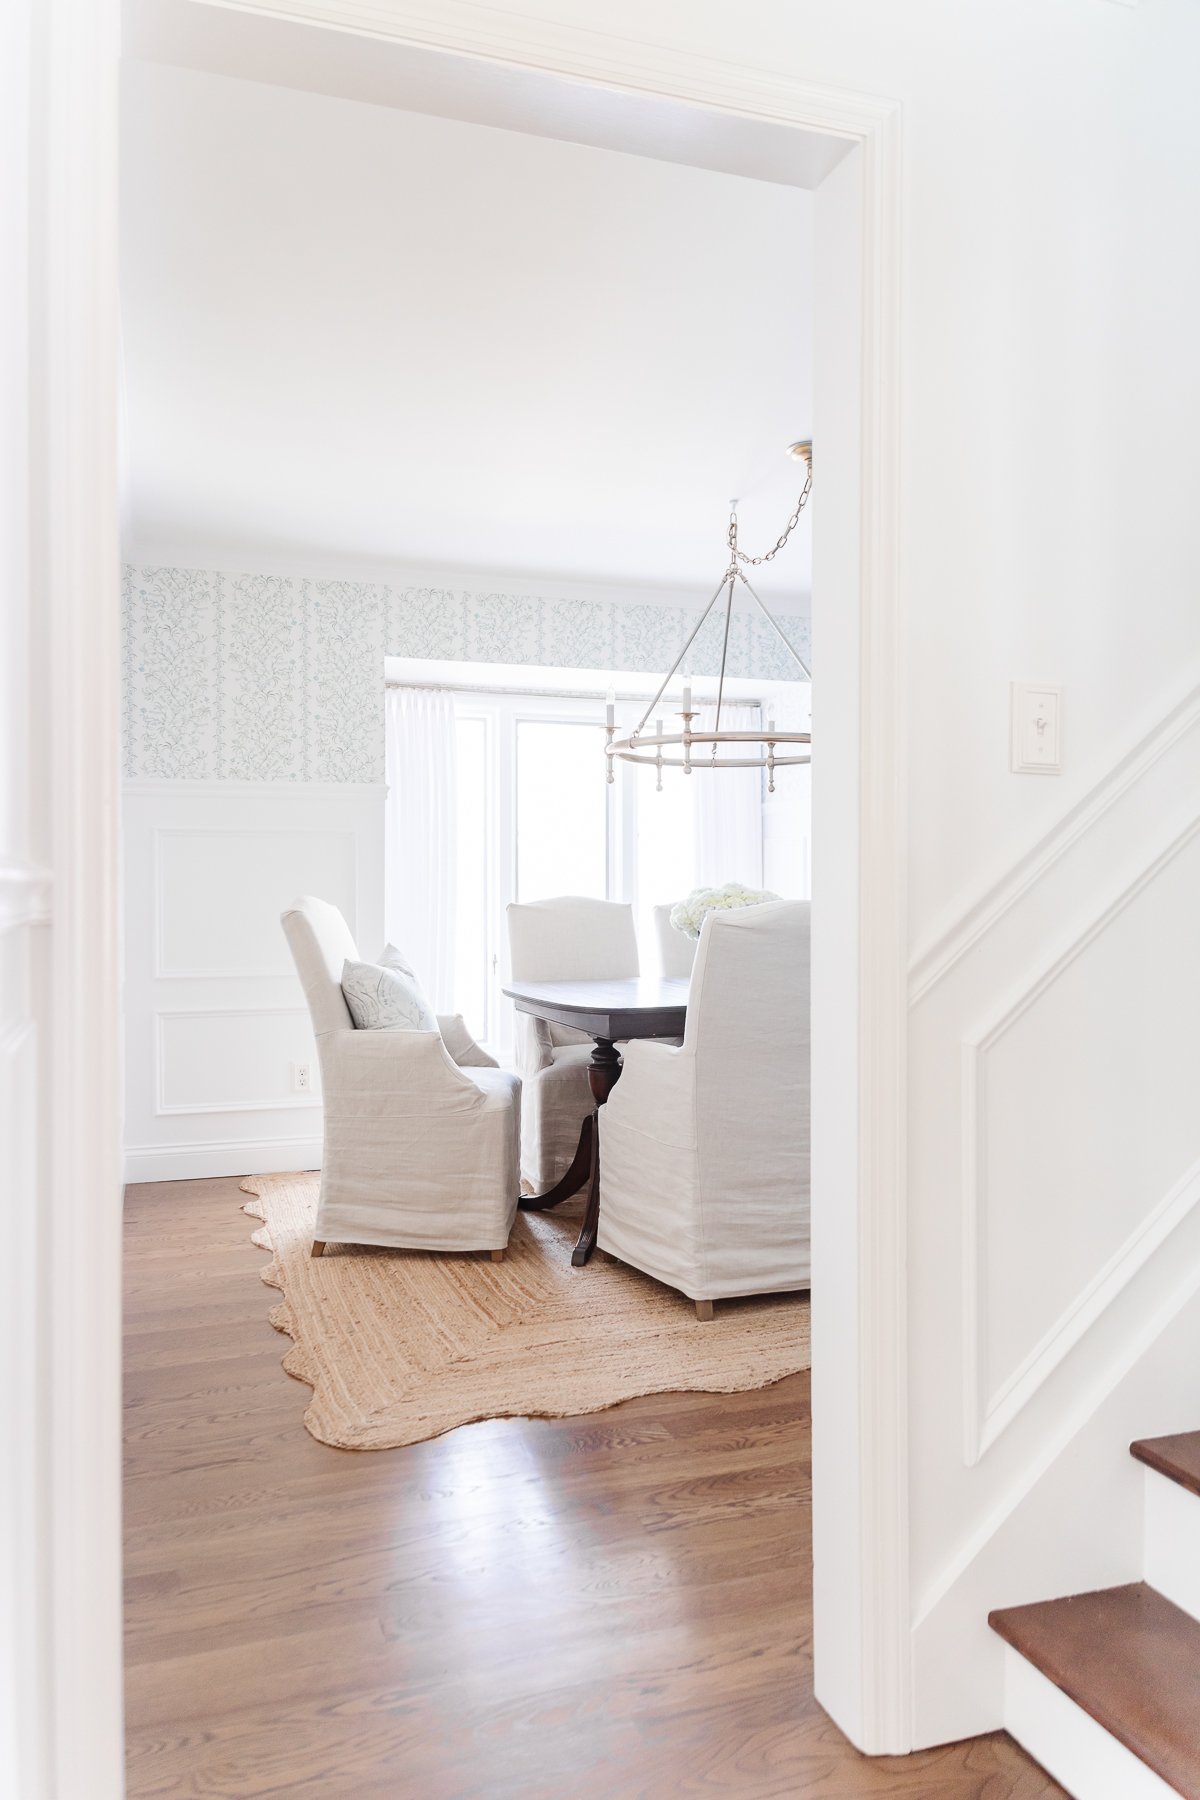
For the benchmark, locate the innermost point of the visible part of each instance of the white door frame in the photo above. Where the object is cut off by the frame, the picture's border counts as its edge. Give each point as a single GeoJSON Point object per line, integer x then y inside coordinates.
{"type": "Point", "coordinates": [861, 1466]}
{"type": "Point", "coordinates": [61, 1277]}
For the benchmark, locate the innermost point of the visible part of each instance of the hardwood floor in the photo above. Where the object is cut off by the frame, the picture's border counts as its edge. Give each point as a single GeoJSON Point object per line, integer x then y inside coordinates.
{"type": "Point", "coordinates": [608, 1608]}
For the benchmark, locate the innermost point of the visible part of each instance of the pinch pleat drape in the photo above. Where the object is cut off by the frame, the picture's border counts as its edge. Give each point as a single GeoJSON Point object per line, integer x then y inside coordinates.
{"type": "Point", "coordinates": [727, 806]}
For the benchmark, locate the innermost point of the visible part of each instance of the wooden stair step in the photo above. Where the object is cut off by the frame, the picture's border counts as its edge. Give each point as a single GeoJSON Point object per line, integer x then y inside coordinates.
{"type": "Point", "coordinates": [1131, 1660]}
{"type": "Point", "coordinates": [1177, 1457]}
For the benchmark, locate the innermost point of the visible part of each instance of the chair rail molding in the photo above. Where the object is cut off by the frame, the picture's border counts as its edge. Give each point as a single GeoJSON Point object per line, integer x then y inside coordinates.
{"type": "Point", "coordinates": [877, 1714]}
{"type": "Point", "coordinates": [931, 965]}
{"type": "Point", "coordinates": [986, 1413]}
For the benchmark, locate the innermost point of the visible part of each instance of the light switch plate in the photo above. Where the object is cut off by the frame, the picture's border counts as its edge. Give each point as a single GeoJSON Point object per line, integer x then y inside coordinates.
{"type": "Point", "coordinates": [1036, 729]}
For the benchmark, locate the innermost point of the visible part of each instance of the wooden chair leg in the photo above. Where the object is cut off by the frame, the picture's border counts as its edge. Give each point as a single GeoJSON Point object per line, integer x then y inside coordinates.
{"type": "Point", "coordinates": [318, 1248]}
{"type": "Point", "coordinates": [704, 1309]}
{"type": "Point", "coordinates": [497, 1256]}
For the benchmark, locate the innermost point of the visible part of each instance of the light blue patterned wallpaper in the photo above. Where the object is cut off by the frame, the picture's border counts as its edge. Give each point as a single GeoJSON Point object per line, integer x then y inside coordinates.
{"type": "Point", "coordinates": [280, 678]}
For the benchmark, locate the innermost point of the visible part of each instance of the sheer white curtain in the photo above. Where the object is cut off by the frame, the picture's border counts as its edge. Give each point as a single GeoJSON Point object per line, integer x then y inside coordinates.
{"type": "Point", "coordinates": [727, 807]}
{"type": "Point", "coordinates": [420, 877]}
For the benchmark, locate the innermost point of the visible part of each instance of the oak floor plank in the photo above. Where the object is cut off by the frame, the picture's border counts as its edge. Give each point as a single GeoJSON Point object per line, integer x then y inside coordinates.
{"type": "Point", "coordinates": [614, 1607]}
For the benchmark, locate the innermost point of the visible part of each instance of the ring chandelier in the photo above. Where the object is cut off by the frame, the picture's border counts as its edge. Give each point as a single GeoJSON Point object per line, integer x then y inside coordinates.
{"type": "Point", "coordinates": [753, 749]}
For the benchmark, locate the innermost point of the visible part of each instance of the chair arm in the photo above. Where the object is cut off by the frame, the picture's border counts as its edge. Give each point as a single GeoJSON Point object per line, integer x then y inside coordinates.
{"type": "Point", "coordinates": [412, 1071]}
{"type": "Point", "coordinates": [461, 1045]}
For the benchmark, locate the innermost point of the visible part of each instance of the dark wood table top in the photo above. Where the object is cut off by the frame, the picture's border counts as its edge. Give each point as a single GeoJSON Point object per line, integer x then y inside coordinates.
{"type": "Point", "coordinates": [641, 1006]}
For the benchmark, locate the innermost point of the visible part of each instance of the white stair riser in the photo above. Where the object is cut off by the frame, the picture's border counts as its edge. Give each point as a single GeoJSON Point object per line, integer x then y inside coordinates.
{"type": "Point", "coordinates": [1069, 1744]}
{"type": "Point", "coordinates": [1171, 1550]}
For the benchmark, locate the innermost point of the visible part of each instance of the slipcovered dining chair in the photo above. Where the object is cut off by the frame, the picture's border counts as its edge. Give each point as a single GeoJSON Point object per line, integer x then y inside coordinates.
{"type": "Point", "coordinates": [676, 951]}
{"type": "Point", "coordinates": [422, 1145]}
{"type": "Point", "coordinates": [704, 1148]}
{"type": "Point", "coordinates": [567, 939]}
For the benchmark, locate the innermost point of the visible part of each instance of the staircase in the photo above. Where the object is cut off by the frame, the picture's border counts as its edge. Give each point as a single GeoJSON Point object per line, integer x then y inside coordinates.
{"type": "Point", "coordinates": [1104, 1689]}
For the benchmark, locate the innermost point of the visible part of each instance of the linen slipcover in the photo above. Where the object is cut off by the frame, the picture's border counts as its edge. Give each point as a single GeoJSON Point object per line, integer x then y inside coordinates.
{"type": "Point", "coordinates": [676, 951]}
{"type": "Point", "coordinates": [421, 1150]}
{"type": "Point", "coordinates": [704, 1147]}
{"type": "Point", "coordinates": [564, 939]}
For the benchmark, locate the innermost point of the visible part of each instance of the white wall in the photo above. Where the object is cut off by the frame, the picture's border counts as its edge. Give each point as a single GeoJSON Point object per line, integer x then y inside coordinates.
{"type": "Point", "coordinates": [215, 1019]}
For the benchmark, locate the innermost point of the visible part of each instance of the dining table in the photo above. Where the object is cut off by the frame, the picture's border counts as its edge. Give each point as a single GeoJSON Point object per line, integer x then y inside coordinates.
{"type": "Point", "coordinates": [611, 1012]}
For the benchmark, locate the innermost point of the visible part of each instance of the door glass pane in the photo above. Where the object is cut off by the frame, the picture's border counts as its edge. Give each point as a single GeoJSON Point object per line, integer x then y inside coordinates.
{"type": "Point", "coordinates": [562, 810]}
{"type": "Point", "coordinates": [471, 951]}
{"type": "Point", "coordinates": [665, 849]}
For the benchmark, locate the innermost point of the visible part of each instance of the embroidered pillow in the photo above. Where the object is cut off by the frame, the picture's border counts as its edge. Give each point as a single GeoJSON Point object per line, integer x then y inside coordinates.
{"type": "Point", "coordinates": [386, 996]}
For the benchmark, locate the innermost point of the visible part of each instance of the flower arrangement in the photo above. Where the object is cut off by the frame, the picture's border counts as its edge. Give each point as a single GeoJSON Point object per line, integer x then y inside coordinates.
{"type": "Point", "coordinates": [688, 915]}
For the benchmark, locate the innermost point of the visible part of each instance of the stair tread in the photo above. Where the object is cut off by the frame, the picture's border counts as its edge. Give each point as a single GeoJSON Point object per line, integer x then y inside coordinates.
{"type": "Point", "coordinates": [1177, 1457]}
{"type": "Point", "coordinates": [1130, 1659]}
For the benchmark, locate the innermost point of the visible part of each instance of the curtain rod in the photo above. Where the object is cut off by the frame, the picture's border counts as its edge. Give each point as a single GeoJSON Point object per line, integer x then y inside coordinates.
{"type": "Point", "coordinates": [530, 693]}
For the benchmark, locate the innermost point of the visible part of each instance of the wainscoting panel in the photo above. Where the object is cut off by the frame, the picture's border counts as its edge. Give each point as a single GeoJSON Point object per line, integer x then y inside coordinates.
{"type": "Point", "coordinates": [1062, 1215]}
{"type": "Point", "coordinates": [216, 1025]}
{"type": "Point", "coordinates": [1054, 1252]}
{"type": "Point", "coordinates": [235, 1059]}
{"type": "Point", "coordinates": [214, 896]}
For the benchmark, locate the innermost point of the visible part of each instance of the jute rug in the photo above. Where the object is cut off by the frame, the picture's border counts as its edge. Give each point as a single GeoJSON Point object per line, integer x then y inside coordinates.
{"type": "Point", "coordinates": [400, 1345]}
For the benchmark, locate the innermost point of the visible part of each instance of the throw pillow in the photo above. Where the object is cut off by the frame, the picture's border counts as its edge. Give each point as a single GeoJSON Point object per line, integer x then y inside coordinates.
{"type": "Point", "coordinates": [386, 996]}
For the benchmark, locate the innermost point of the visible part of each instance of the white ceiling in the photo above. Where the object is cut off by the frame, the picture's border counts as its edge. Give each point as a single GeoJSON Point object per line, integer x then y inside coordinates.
{"type": "Point", "coordinates": [358, 332]}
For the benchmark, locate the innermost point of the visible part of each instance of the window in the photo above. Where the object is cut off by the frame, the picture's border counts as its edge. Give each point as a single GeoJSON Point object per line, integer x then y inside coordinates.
{"type": "Point", "coordinates": [536, 818]}
{"type": "Point", "coordinates": [562, 810]}
{"type": "Point", "coordinates": [528, 815]}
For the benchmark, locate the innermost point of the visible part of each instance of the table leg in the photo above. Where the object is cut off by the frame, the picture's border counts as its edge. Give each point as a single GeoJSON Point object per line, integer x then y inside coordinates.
{"type": "Point", "coordinates": [575, 1177]}
{"type": "Point", "coordinates": [603, 1073]}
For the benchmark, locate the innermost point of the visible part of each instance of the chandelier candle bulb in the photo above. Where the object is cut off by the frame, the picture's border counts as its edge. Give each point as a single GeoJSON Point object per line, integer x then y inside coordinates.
{"type": "Point", "coordinates": [687, 697]}
{"type": "Point", "coordinates": [610, 707]}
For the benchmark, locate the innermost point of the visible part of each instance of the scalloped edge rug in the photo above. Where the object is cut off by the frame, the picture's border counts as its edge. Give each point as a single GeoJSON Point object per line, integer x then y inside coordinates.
{"type": "Point", "coordinates": [402, 1345]}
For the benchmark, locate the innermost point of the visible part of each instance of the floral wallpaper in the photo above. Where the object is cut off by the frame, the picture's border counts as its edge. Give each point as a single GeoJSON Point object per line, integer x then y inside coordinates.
{"type": "Point", "coordinates": [280, 678]}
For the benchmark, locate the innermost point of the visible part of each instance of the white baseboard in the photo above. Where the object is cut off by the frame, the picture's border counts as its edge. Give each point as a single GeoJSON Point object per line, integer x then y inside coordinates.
{"type": "Point", "coordinates": [249, 1156]}
{"type": "Point", "coordinates": [1172, 1550]}
{"type": "Point", "coordinates": [1086, 1759]}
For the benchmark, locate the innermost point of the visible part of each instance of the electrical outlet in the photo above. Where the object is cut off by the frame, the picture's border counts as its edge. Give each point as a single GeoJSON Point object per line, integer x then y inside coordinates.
{"type": "Point", "coordinates": [302, 1078]}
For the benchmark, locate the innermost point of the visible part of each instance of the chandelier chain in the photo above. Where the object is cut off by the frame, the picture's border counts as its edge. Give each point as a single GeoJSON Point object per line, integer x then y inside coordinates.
{"type": "Point", "coordinates": [740, 555]}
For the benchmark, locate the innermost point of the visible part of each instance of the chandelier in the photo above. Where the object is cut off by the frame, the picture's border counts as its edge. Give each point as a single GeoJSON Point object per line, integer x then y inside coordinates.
{"type": "Point", "coordinates": [750, 749]}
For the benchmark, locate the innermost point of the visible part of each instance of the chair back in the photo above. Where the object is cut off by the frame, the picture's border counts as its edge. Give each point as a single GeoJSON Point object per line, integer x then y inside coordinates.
{"type": "Point", "coordinates": [320, 941]}
{"type": "Point", "coordinates": [571, 939]}
{"type": "Point", "coordinates": [748, 1028]}
{"type": "Point", "coordinates": [676, 951]}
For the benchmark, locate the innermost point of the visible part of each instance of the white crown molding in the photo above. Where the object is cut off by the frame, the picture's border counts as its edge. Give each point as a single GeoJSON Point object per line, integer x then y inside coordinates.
{"type": "Point", "coordinates": [25, 895]}
{"type": "Point", "coordinates": [931, 965]}
{"type": "Point", "coordinates": [987, 1414]}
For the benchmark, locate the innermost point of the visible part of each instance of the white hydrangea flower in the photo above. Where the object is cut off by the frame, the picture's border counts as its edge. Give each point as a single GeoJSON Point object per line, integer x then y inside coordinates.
{"type": "Point", "coordinates": [688, 915]}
